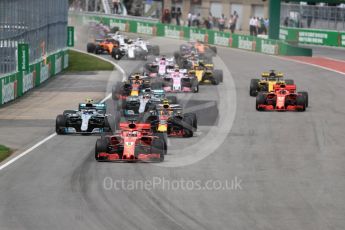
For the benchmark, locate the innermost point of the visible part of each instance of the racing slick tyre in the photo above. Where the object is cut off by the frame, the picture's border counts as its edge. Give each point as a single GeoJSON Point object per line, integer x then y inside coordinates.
{"type": "Point", "coordinates": [253, 89]}
{"type": "Point", "coordinates": [194, 119]}
{"type": "Point", "coordinates": [195, 85]}
{"type": "Point", "coordinates": [100, 147]}
{"type": "Point", "coordinates": [260, 100]}
{"type": "Point", "coordinates": [60, 124]}
{"type": "Point", "coordinates": [157, 147]}
{"type": "Point", "coordinates": [69, 112]}
{"type": "Point", "coordinates": [90, 47]}
{"type": "Point", "coordinates": [187, 123]}
{"type": "Point", "coordinates": [172, 99]}
{"type": "Point", "coordinates": [301, 101]}
{"type": "Point", "coordinates": [116, 54]}
{"type": "Point", "coordinates": [306, 96]}
{"type": "Point", "coordinates": [218, 73]}
{"type": "Point", "coordinates": [164, 138]}
{"type": "Point", "coordinates": [98, 49]}
{"type": "Point", "coordinates": [289, 82]}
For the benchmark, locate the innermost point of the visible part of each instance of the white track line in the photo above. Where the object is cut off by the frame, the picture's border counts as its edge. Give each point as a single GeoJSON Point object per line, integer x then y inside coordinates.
{"type": "Point", "coordinates": [14, 159]}
{"type": "Point", "coordinates": [27, 151]}
{"type": "Point", "coordinates": [11, 161]}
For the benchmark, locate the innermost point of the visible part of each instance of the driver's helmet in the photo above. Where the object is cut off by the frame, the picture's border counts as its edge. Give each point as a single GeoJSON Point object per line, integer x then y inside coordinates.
{"type": "Point", "coordinates": [163, 58]}
{"type": "Point", "coordinates": [177, 68]}
{"type": "Point", "coordinates": [272, 73]}
{"type": "Point", "coordinates": [88, 102]}
{"type": "Point", "coordinates": [147, 96]}
{"type": "Point", "coordinates": [166, 104]}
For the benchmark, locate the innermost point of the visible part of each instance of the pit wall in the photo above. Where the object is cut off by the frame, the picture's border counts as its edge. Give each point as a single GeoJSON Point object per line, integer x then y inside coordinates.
{"type": "Point", "coordinates": [251, 43]}
{"type": "Point", "coordinates": [313, 36]}
{"type": "Point", "coordinates": [17, 84]}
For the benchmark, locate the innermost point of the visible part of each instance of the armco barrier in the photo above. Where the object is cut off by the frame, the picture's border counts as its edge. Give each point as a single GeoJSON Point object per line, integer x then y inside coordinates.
{"type": "Point", "coordinates": [312, 36]}
{"type": "Point", "coordinates": [17, 84]}
{"type": "Point", "coordinates": [260, 45]}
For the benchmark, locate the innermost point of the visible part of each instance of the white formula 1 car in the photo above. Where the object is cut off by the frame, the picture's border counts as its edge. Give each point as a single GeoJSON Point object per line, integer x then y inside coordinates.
{"type": "Point", "coordinates": [132, 49]}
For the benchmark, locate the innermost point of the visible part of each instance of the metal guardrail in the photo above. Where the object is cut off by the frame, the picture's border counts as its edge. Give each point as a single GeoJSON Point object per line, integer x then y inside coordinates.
{"type": "Point", "coordinates": [40, 23]}
{"type": "Point", "coordinates": [313, 16]}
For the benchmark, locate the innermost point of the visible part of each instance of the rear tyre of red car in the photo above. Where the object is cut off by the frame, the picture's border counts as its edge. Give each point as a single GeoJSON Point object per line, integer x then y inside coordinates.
{"type": "Point", "coordinates": [301, 101]}
{"type": "Point", "coordinates": [306, 96]}
{"type": "Point", "coordinates": [100, 147]}
{"type": "Point", "coordinates": [260, 100]}
{"type": "Point", "coordinates": [157, 147]}
{"type": "Point", "coordinates": [253, 89]}
{"type": "Point", "coordinates": [164, 138]}
{"type": "Point", "coordinates": [60, 124]}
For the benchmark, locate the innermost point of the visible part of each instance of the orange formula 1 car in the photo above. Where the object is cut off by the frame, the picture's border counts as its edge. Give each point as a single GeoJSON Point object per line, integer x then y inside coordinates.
{"type": "Point", "coordinates": [102, 46]}
{"type": "Point", "coordinates": [134, 142]}
{"type": "Point", "coordinates": [283, 98]}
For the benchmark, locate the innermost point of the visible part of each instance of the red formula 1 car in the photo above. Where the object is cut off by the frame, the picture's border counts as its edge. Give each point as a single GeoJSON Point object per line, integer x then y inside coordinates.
{"type": "Point", "coordinates": [283, 98]}
{"type": "Point", "coordinates": [134, 142]}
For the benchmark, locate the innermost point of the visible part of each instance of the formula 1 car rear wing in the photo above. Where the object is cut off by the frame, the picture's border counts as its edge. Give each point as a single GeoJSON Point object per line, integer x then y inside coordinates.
{"type": "Point", "coordinates": [96, 106]}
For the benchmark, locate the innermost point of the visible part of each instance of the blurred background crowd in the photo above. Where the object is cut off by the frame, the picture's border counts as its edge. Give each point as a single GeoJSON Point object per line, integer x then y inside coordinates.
{"type": "Point", "coordinates": [245, 17]}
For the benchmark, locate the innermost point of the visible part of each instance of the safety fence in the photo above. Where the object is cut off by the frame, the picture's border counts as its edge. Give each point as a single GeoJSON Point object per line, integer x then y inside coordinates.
{"type": "Point", "coordinates": [313, 16]}
{"type": "Point", "coordinates": [33, 41]}
{"type": "Point", "coordinates": [313, 36]}
{"type": "Point", "coordinates": [18, 83]}
{"type": "Point", "coordinates": [252, 43]}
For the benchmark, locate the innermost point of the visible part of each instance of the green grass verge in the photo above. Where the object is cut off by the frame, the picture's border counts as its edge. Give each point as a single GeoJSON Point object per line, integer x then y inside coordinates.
{"type": "Point", "coordinates": [79, 62]}
{"type": "Point", "coordinates": [4, 152]}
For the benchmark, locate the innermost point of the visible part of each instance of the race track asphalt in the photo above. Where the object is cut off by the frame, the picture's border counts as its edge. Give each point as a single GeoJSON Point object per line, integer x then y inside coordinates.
{"type": "Point", "coordinates": [289, 167]}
